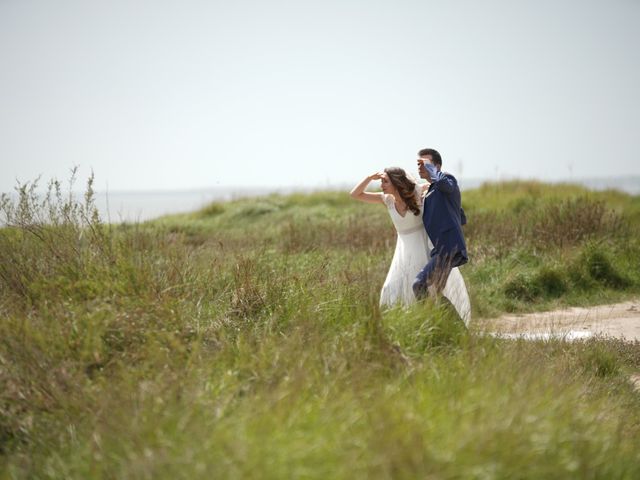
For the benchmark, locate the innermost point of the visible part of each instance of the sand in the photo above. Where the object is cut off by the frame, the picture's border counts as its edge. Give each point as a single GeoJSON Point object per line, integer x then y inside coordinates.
{"type": "Point", "coordinates": [621, 320]}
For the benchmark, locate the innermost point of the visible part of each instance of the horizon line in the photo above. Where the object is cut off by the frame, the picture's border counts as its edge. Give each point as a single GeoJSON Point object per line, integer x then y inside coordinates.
{"type": "Point", "coordinates": [333, 186]}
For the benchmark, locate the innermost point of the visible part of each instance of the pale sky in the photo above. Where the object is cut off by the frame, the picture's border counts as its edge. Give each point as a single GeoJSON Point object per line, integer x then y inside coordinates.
{"type": "Point", "coordinates": [194, 94]}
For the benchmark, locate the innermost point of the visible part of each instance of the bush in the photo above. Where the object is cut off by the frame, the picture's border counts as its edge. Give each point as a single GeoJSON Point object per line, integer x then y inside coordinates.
{"type": "Point", "coordinates": [552, 282]}
{"type": "Point", "coordinates": [212, 210]}
{"type": "Point", "coordinates": [545, 223]}
{"type": "Point", "coordinates": [522, 286]}
{"type": "Point", "coordinates": [573, 220]}
{"type": "Point", "coordinates": [598, 265]}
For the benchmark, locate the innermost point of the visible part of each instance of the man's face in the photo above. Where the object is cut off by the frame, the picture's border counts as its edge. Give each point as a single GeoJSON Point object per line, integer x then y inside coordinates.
{"type": "Point", "coordinates": [424, 159]}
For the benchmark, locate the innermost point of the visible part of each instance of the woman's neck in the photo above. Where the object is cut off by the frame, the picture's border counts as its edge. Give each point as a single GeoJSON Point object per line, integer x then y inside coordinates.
{"type": "Point", "coordinates": [399, 200]}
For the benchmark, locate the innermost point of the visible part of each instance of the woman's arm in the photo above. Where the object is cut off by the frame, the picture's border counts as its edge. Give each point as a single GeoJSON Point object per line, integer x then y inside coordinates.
{"type": "Point", "coordinates": [359, 194]}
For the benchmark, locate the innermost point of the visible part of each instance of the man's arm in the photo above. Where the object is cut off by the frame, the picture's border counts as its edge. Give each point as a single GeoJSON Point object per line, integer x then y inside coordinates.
{"type": "Point", "coordinates": [442, 182]}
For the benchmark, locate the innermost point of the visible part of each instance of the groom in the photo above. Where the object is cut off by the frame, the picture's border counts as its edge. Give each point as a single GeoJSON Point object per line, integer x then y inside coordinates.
{"type": "Point", "coordinates": [443, 218]}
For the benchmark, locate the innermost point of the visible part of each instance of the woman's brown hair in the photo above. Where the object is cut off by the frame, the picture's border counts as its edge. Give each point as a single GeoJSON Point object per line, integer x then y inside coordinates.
{"type": "Point", "coordinates": [405, 187]}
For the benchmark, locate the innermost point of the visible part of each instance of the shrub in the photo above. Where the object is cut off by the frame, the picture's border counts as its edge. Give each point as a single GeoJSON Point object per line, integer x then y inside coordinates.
{"type": "Point", "coordinates": [550, 224]}
{"type": "Point", "coordinates": [50, 236]}
{"type": "Point", "coordinates": [522, 286]}
{"type": "Point", "coordinates": [572, 220]}
{"type": "Point", "coordinates": [212, 210]}
{"type": "Point", "coordinates": [597, 263]}
{"type": "Point", "coordinates": [551, 281]}
{"type": "Point", "coordinates": [529, 286]}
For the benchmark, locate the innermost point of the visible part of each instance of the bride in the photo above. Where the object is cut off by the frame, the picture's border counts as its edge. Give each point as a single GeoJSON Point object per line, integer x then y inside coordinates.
{"type": "Point", "coordinates": [403, 199]}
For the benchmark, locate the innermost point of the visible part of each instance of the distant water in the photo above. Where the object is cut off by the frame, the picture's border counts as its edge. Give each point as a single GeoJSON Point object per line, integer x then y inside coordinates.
{"type": "Point", "coordinates": [145, 205]}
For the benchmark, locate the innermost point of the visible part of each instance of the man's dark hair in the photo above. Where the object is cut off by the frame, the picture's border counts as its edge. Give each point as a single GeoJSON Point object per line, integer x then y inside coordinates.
{"type": "Point", "coordinates": [435, 156]}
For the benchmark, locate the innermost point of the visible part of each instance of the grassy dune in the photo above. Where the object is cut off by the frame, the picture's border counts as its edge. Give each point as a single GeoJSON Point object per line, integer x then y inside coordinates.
{"type": "Point", "coordinates": [245, 341]}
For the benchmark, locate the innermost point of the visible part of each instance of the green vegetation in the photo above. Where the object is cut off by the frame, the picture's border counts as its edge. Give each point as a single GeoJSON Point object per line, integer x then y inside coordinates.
{"type": "Point", "coordinates": [245, 341]}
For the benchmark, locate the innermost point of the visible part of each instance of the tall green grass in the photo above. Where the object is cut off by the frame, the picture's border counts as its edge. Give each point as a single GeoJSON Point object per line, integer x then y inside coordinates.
{"type": "Point", "coordinates": [245, 341]}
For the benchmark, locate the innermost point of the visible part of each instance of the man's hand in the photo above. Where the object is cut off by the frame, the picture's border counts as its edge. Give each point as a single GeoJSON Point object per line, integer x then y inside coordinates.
{"type": "Point", "coordinates": [426, 168]}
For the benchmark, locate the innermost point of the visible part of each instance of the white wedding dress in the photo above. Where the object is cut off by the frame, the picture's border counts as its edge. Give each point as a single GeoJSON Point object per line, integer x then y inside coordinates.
{"type": "Point", "coordinates": [410, 256]}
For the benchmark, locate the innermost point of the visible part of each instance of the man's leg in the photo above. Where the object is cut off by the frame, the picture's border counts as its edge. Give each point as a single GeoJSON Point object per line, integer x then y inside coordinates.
{"type": "Point", "coordinates": [421, 283]}
{"type": "Point", "coordinates": [433, 276]}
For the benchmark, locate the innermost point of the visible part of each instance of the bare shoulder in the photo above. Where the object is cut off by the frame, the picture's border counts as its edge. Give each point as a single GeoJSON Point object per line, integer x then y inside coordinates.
{"type": "Point", "coordinates": [388, 199]}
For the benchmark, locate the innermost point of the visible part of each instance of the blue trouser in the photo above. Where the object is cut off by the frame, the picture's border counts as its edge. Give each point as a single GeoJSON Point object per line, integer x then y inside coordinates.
{"type": "Point", "coordinates": [435, 272]}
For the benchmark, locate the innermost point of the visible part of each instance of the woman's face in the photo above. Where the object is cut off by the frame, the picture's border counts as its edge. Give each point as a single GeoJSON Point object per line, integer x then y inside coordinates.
{"type": "Point", "coordinates": [385, 183]}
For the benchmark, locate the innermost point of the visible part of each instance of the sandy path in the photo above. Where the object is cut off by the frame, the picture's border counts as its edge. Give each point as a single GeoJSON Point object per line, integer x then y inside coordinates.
{"type": "Point", "coordinates": [620, 320]}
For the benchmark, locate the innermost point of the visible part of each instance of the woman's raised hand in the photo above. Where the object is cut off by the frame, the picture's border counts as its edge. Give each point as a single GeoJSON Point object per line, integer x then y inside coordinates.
{"type": "Point", "coordinates": [358, 192]}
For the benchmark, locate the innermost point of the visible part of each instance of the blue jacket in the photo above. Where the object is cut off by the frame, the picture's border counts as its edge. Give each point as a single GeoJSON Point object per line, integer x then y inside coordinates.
{"type": "Point", "coordinates": [443, 217]}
